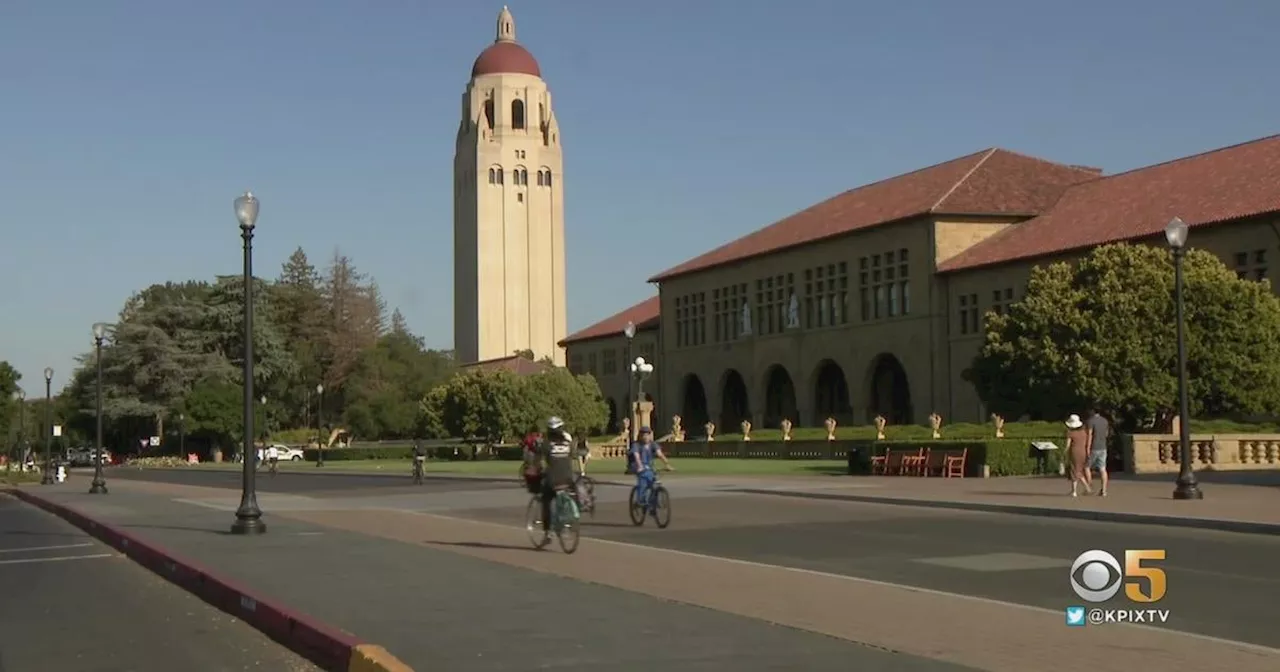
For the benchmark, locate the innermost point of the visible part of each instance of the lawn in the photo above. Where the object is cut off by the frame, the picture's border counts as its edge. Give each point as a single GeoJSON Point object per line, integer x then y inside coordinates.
{"type": "Point", "coordinates": [600, 468]}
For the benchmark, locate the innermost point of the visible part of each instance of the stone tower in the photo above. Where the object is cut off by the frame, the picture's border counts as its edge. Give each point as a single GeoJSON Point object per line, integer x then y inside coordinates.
{"type": "Point", "coordinates": [508, 212]}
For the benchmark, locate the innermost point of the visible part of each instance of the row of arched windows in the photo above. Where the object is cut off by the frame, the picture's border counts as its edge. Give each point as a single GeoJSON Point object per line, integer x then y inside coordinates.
{"type": "Point", "coordinates": [519, 176]}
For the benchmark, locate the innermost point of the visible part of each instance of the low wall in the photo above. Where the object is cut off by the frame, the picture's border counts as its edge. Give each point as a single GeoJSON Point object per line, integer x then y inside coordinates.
{"type": "Point", "coordinates": [1160, 453]}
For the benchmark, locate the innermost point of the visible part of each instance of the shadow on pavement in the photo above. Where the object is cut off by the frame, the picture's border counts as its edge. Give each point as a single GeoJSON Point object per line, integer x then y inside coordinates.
{"type": "Point", "coordinates": [177, 527]}
{"type": "Point", "coordinates": [480, 544]}
{"type": "Point", "coordinates": [1268, 477]}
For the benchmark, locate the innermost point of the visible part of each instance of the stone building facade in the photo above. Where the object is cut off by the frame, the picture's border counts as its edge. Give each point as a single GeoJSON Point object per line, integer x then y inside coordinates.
{"type": "Point", "coordinates": [508, 215]}
{"type": "Point", "coordinates": [873, 302]}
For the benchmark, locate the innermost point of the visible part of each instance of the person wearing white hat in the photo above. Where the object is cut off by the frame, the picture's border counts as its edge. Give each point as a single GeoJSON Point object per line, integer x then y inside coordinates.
{"type": "Point", "coordinates": [1078, 452]}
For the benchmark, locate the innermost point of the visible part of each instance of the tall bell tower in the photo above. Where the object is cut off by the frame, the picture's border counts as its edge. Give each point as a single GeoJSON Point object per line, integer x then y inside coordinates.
{"type": "Point", "coordinates": [508, 210]}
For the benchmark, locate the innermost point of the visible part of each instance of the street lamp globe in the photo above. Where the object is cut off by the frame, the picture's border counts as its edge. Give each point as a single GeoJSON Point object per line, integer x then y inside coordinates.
{"type": "Point", "coordinates": [630, 330]}
{"type": "Point", "coordinates": [247, 210]}
{"type": "Point", "coordinates": [99, 331]}
{"type": "Point", "coordinates": [320, 388]}
{"type": "Point", "coordinates": [263, 399]}
{"type": "Point", "coordinates": [48, 374]}
{"type": "Point", "coordinates": [1175, 232]}
{"type": "Point", "coordinates": [19, 395]}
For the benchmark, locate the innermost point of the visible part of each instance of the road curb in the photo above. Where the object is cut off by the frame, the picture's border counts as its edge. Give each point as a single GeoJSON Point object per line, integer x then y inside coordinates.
{"type": "Point", "coordinates": [1241, 526]}
{"type": "Point", "coordinates": [328, 647]}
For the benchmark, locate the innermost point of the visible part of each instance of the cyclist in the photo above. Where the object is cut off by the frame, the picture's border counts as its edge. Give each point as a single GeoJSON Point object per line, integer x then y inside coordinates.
{"type": "Point", "coordinates": [419, 462]}
{"type": "Point", "coordinates": [641, 455]}
{"type": "Point", "coordinates": [273, 457]}
{"type": "Point", "coordinates": [555, 455]}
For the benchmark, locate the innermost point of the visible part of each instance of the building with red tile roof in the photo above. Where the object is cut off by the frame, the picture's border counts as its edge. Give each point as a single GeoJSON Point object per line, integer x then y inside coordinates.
{"type": "Point", "coordinates": [871, 303]}
{"type": "Point", "coordinates": [604, 351]}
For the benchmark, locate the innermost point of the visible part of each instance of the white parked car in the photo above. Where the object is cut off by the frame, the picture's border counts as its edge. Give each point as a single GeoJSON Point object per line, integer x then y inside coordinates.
{"type": "Point", "coordinates": [285, 453]}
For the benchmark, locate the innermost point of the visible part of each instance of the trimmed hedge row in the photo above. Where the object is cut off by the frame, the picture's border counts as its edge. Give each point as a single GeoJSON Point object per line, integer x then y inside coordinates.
{"type": "Point", "coordinates": [458, 452]}
{"type": "Point", "coordinates": [1004, 457]}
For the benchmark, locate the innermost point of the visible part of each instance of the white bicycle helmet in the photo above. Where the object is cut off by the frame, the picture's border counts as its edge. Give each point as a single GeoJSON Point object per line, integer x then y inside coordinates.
{"type": "Point", "coordinates": [555, 423]}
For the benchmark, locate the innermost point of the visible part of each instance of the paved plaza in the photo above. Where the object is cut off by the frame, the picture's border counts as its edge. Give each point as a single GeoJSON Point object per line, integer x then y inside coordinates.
{"type": "Point", "coordinates": [754, 573]}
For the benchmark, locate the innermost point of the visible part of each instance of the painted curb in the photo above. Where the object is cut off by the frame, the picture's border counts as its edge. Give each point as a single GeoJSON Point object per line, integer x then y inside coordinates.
{"type": "Point", "coordinates": [1241, 526]}
{"type": "Point", "coordinates": [329, 648]}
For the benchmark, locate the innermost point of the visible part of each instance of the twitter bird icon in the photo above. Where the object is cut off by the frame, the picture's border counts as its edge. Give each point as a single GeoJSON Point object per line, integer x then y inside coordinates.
{"type": "Point", "coordinates": [1075, 616]}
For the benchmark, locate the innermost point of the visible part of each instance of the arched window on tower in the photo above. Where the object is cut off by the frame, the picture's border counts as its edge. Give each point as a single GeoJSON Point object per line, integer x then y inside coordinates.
{"type": "Point", "coordinates": [524, 177]}
{"type": "Point", "coordinates": [548, 177]}
{"type": "Point", "coordinates": [493, 176]}
{"type": "Point", "coordinates": [540, 178]}
{"type": "Point", "coordinates": [517, 114]}
{"type": "Point", "coordinates": [488, 112]}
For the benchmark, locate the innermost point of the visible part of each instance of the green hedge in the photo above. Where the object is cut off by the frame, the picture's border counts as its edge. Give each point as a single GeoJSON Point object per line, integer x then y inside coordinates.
{"type": "Point", "coordinates": [405, 452]}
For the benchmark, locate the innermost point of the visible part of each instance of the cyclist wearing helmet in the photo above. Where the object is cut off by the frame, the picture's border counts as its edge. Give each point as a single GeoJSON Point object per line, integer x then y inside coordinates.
{"type": "Point", "coordinates": [556, 455]}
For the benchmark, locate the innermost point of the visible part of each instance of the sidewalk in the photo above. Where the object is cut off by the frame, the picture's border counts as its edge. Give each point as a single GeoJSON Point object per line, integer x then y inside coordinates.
{"type": "Point", "coordinates": [434, 607]}
{"type": "Point", "coordinates": [1228, 507]}
{"type": "Point", "coordinates": [447, 593]}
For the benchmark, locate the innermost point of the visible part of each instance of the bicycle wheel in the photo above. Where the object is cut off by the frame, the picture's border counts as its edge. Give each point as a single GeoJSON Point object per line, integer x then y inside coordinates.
{"type": "Point", "coordinates": [588, 487]}
{"type": "Point", "coordinates": [662, 507]}
{"type": "Point", "coordinates": [635, 507]}
{"type": "Point", "coordinates": [533, 523]}
{"type": "Point", "coordinates": [566, 524]}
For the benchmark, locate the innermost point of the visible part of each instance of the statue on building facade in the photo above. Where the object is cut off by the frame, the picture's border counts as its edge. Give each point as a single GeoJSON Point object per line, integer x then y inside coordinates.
{"type": "Point", "coordinates": [793, 312]}
{"type": "Point", "coordinates": [746, 318]}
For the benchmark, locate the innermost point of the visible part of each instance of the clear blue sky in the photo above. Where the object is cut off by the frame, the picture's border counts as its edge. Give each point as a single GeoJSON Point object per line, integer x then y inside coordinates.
{"type": "Point", "coordinates": [127, 127]}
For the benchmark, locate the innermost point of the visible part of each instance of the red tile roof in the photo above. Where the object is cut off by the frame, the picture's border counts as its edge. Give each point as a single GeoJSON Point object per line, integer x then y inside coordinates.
{"type": "Point", "coordinates": [990, 182]}
{"type": "Point", "coordinates": [644, 315]}
{"type": "Point", "coordinates": [515, 364]}
{"type": "Point", "coordinates": [1224, 184]}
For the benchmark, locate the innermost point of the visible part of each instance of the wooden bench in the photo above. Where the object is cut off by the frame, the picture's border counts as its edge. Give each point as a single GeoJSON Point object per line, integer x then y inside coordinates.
{"type": "Point", "coordinates": [880, 463]}
{"type": "Point", "coordinates": [913, 463]}
{"type": "Point", "coordinates": [945, 463]}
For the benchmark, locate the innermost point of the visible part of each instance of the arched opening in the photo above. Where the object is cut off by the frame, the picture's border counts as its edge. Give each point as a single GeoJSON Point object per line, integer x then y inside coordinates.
{"type": "Point", "coordinates": [831, 395]}
{"type": "Point", "coordinates": [779, 397]}
{"type": "Point", "coordinates": [889, 392]}
{"type": "Point", "coordinates": [493, 176]}
{"type": "Point", "coordinates": [517, 114]}
{"type": "Point", "coordinates": [735, 405]}
{"type": "Point", "coordinates": [693, 406]}
{"type": "Point", "coordinates": [613, 427]}
{"type": "Point", "coordinates": [488, 113]}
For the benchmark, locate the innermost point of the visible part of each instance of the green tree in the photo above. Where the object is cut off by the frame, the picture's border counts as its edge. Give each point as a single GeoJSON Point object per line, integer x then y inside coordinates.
{"type": "Point", "coordinates": [301, 314]}
{"type": "Point", "coordinates": [1103, 333]}
{"type": "Point", "coordinates": [385, 390]}
{"type": "Point", "coordinates": [494, 405]}
{"type": "Point", "coordinates": [215, 413]}
{"type": "Point", "coordinates": [9, 406]}
{"type": "Point", "coordinates": [575, 399]}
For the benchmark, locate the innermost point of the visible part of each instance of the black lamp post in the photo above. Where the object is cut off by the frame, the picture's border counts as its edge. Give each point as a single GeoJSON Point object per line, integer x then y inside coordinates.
{"type": "Point", "coordinates": [1176, 234]}
{"type": "Point", "coordinates": [182, 435]}
{"type": "Point", "coordinates": [320, 438]}
{"type": "Point", "coordinates": [630, 333]}
{"type": "Point", "coordinates": [266, 424]}
{"type": "Point", "coordinates": [47, 477]}
{"type": "Point", "coordinates": [248, 515]}
{"type": "Point", "coordinates": [99, 486]}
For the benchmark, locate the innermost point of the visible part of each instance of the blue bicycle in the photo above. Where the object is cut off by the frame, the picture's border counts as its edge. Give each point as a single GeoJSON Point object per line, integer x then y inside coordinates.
{"type": "Point", "coordinates": [658, 504]}
{"type": "Point", "coordinates": [564, 522]}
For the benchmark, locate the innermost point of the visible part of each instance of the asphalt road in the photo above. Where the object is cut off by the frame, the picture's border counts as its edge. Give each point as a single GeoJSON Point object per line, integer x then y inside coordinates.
{"type": "Point", "coordinates": [1221, 584]}
{"type": "Point", "coordinates": [71, 604]}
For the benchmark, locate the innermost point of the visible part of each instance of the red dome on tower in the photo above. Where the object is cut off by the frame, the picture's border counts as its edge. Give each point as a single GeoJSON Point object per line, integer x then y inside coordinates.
{"type": "Point", "coordinates": [505, 58]}
{"type": "Point", "coordinates": [505, 55]}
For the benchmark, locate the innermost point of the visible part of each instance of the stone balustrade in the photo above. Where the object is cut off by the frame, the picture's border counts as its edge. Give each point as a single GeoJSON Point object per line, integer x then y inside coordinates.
{"type": "Point", "coordinates": [1160, 453]}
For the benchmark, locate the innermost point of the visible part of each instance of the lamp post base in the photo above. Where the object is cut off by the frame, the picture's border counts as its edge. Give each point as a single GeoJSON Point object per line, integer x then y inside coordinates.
{"type": "Point", "coordinates": [98, 488]}
{"type": "Point", "coordinates": [248, 526]}
{"type": "Point", "coordinates": [1187, 489]}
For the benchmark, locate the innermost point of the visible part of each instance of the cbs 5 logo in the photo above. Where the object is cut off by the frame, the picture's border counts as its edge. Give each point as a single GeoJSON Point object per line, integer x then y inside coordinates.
{"type": "Point", "coordinates": [1100, 576]}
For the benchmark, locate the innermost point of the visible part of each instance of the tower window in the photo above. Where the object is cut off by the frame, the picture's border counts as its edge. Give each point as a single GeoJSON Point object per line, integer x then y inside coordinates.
{"type": "Point", "coordinates": [520, 198]}
{"type": "Point", "coordinates": [498, 172]}
{"type": "Point", "coordinates": [524, 177]}
{"type": "Point", "coordinates": [548, 178]}
{"type": "Point", "coordinates": [541, 179]}
{"type": "Point", "coordinates": [517, 114]}
{"type": "Point", "coordinates": [488, 112]}
{"type": "Point", "coordinates": [493, 177]}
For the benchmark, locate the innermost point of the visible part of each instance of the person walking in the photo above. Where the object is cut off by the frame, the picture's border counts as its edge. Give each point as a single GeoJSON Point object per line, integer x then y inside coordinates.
{"type": "Point", "coordinates": [1078, 454]}
{"type": "Point", "coordinates": [1099, 432]}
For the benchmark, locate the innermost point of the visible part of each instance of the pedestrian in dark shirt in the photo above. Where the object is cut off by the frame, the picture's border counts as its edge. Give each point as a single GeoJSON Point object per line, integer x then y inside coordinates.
{"type": "Point", "coordinates": [1099, 432]}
